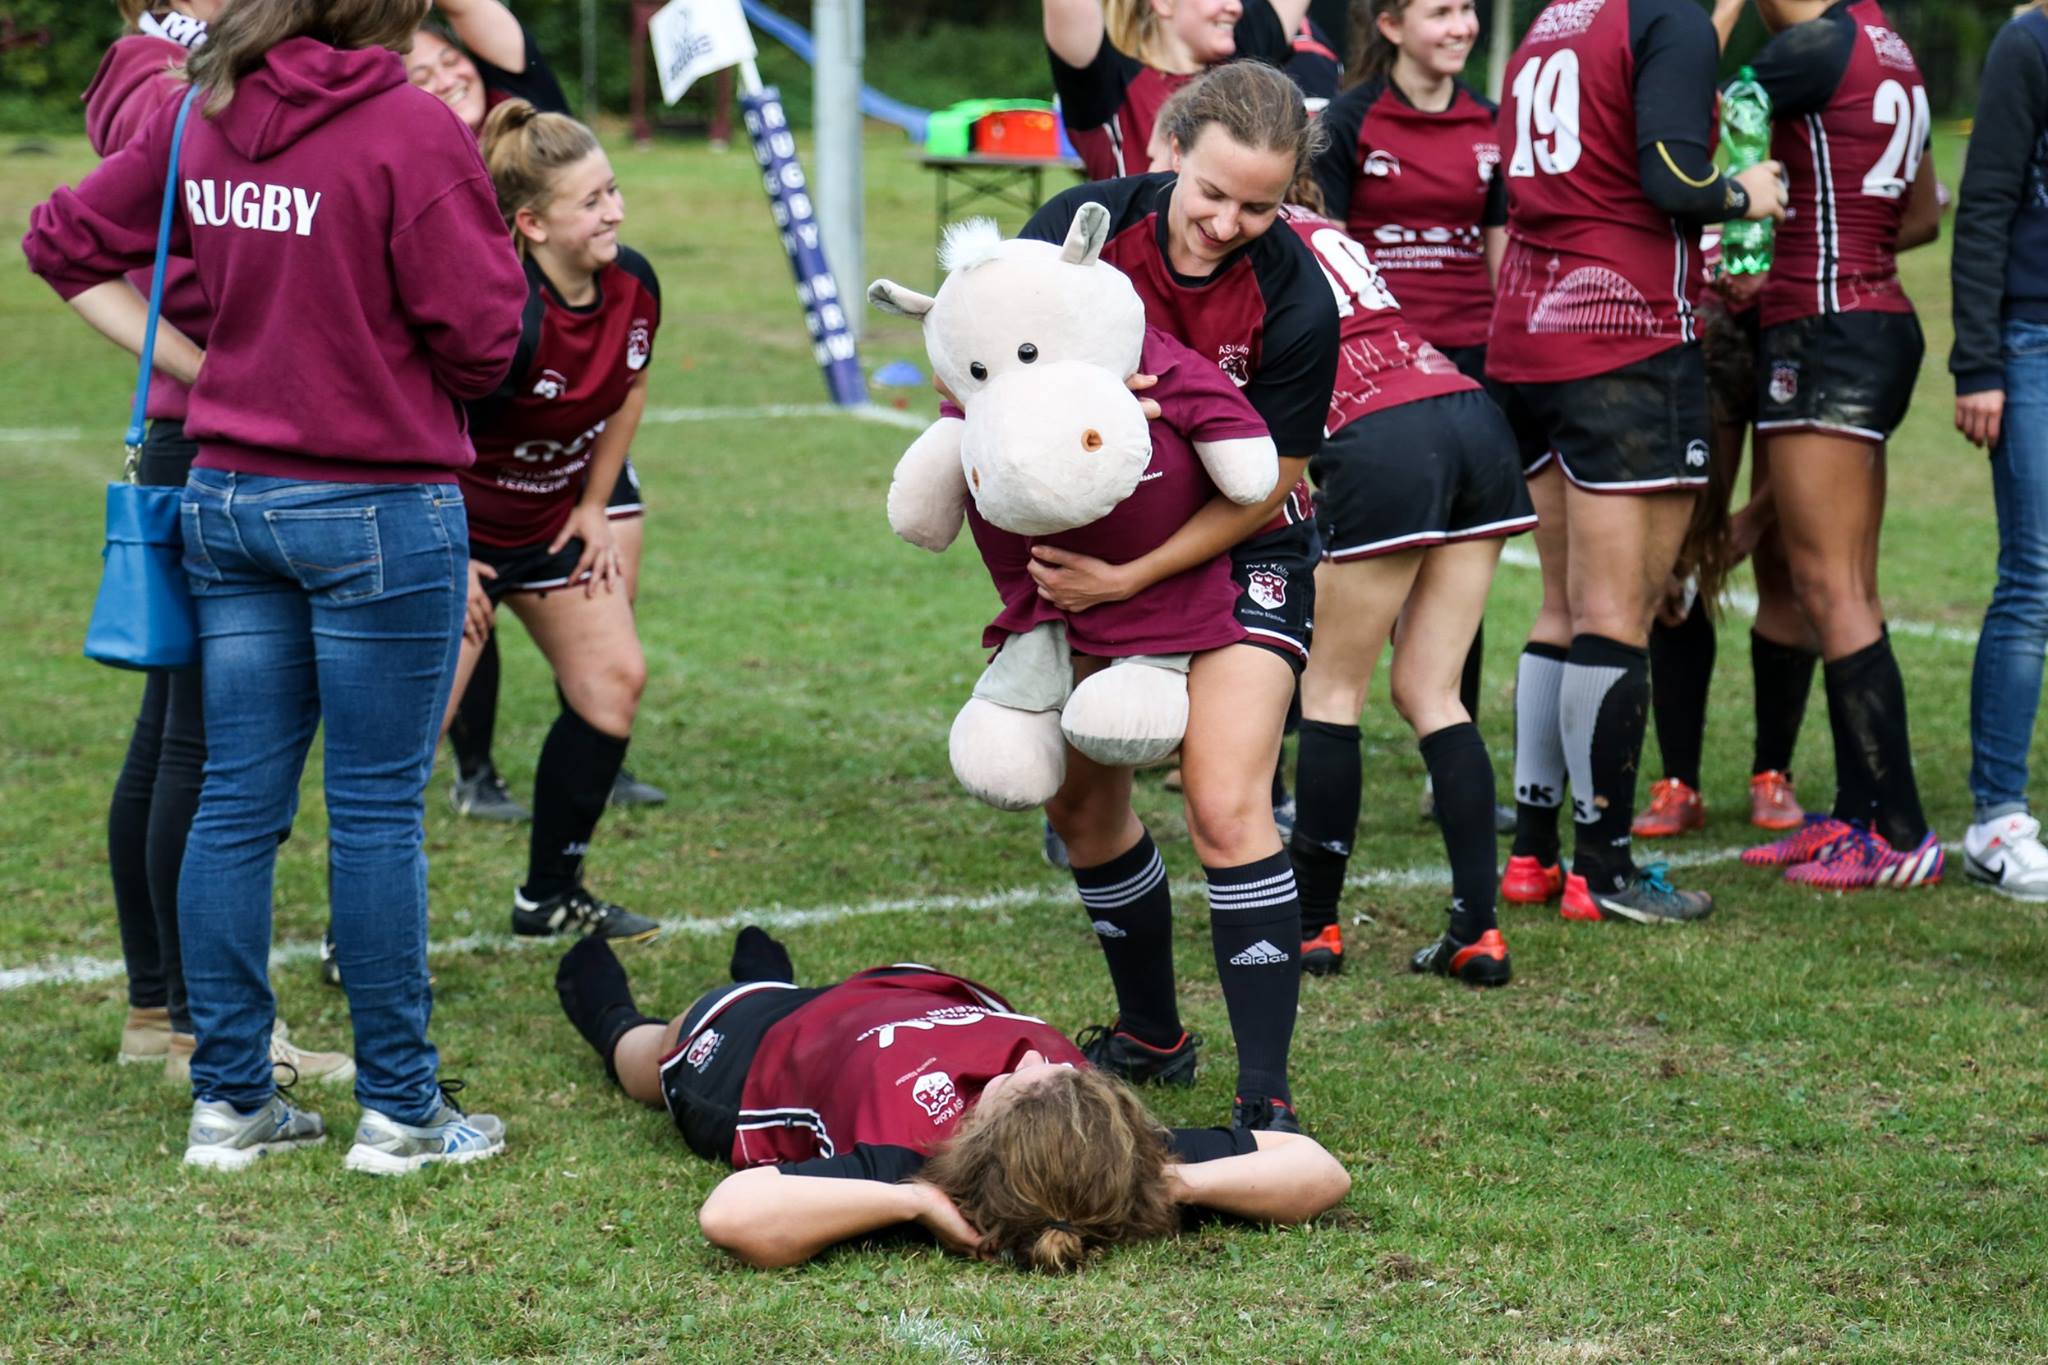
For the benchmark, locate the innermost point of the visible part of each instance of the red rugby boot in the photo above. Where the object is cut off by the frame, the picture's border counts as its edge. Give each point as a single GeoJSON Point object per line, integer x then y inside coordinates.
{"type": "Point", "coordinates": [1772, 804]}
{"type": "Point", "coordinates": [1531, 882]}
{"type": "Point", "coordinates": [1674, 809]}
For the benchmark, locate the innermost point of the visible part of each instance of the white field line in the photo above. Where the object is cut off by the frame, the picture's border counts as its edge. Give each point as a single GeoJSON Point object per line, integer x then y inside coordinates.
{"type": "Point", "coordinates": [62, 971]}
{"type": "Point", "coordinates": [916, 1327]}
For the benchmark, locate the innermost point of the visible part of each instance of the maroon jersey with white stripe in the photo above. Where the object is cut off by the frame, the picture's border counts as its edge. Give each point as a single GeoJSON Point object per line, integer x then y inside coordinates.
{"type": "Point", "coordinates": [1383, 360]}
{"type": "Point", "coordinates": [891, 1056]}
{"type": "Point", "coordinates": [535, 436]}
{"type": "Point", "coordinates": [1596, 276]}
{"type": "Point", "coordinates": [1419, 188]}
{"type": "Point", "coordinates": [1850, 154]}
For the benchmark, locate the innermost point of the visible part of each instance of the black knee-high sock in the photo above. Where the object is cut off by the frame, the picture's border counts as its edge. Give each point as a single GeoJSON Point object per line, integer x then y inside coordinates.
{"type": "Point", "coordinates": [1866, 690]}
{"type": "Point", "coordinates": [1255, 930]}
{"type": "Point", "coordinates": [570, 788]}
{"type": "Point", "coordinates": [1681, 671]}
{"type": "Point", "coordinates": [758, 956]}
{"type": "Point", "coordinates": [1469, 680]}
{"type": "Point", "coordinates": [1131, 907]}
{"type": "Point", "coordinates": [596, 996]}
{"type": "Point", "coordinates": [1539, 752]}
{"type": "Point", "coordinates": [476, 715]}
{"type": "Point", "coordinates": [1462, 772]}
{"type": "Point", "coordinates": [1603, 709]}
{"type": "Point", "coordinates": [1327, 780]}
{"type": "Point", "coordinates": [1784, 680]}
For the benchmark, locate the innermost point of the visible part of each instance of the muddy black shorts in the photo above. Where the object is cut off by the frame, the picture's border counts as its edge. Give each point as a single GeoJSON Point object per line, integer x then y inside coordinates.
{"type": "Point", "coordinates": [1729, 342]}
{"type": "Point", "coordinates": [1532, 442]}
{"type": "Point", "coordinates": [528, 568]}
{"type": "Point", "coordinates": [1276, 589]}
{"type": "Point", "coordinates": [1850, 374]}
{"type": "Point", "coordinates": [1640, 429]}
{"type": "Point", "coordinates": [625, 499]}
{"type": "Point", "coordinates": [703, 1078]}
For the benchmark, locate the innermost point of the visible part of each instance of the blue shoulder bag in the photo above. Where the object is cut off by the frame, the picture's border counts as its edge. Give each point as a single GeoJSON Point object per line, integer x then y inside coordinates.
{"type": "Point", "coordinates": [143, 617]}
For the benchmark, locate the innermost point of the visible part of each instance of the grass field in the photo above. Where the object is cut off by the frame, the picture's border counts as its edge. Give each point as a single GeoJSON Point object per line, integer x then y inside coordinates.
{"type": "Point", "coordinates": [1809, 1129]}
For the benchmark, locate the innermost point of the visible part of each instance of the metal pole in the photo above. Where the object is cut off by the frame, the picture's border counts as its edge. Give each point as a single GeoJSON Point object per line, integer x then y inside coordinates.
{"type": "Point", "coordinates": [590, 59]}
{"type": "Point", "coordinates": [838, 27]}
{"type": "Point", "coordinates": [1501, 48]}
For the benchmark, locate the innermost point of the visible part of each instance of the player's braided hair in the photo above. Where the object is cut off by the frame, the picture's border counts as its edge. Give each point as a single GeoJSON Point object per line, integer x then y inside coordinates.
{"type": "Point", "coordinates": [1256, 104]}
{"type": "Point", "coordinates": [244, 31]}
{"type": "Point", "coordinates": [524, 150]}
{"type": "Point", "coordinates": [1068, 1163]}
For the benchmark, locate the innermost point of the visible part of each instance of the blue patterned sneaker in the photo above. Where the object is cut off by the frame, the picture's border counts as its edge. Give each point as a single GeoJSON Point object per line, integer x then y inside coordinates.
{"type": "Point", "coordinates": [222, 1138]}
{"type": "Point", "coordinates": [384, 1146]}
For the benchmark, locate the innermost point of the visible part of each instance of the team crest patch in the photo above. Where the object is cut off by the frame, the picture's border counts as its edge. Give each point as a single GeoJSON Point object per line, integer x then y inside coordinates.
{"type": "Point", "coordinates": [703, 1048]}
{"type": "Point", "coordinates": [1784, 382]}
{"type": "Point", "coordinates": [1235, 361]}
{"type": "Point", "coordinates": [1488, 156]}
{"type": "Point", "coordinates": [551, 384]}
{"type": "Point", "coordinates": [1268, 588]}
{"type": "Point", "coordinates": [1696, 455]}
{"type": "Point", "coordinates": [937, 1096]}
{"type": "Point", "coordinates": [639, 345]}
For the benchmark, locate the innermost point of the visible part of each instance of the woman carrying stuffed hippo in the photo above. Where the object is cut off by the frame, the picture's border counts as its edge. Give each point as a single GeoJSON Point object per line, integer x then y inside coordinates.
{"type": "Point", "coordinates": [908, 1096]}
{"type": "Point", "coordinates": [1197, 244]}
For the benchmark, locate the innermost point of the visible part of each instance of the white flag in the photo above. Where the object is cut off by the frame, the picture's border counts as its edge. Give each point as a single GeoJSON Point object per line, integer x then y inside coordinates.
{"type": "Point", "coordinates": [694, 38]}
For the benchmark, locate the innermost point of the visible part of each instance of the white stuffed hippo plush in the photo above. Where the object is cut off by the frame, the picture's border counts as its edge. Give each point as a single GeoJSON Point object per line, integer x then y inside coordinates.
{"type": "Point", "coordinates": [1035, 341]}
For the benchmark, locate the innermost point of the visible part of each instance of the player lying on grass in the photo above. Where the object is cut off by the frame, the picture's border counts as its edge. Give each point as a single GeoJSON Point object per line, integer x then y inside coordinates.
{"type": "Point", "coordinates": [905, 1095]}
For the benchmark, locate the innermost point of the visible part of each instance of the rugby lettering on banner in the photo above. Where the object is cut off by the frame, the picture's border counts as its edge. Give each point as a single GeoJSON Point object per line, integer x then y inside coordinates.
{"type": "Point", "coordinates": [250, 206]}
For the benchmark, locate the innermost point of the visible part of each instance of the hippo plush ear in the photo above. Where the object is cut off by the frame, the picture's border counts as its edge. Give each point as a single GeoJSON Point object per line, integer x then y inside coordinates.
{"type": "Point", "coordinates": [1086, 237]}
{"type": "Point", "coordinates": [892, 297]}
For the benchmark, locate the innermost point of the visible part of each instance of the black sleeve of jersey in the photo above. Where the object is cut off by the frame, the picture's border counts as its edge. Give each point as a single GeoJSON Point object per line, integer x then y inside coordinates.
{"type": "Point", "coordinates": [634, 264]}
{"type": "Point", "coordinates": [1261, 35]}
{"type": "Point", "coordinates": [1090, 95]}
{"type": "Point", "coordinates": [2012, 112]}
{"type": "Point", "coordinates": [536, 84]}
{"type": "Point", "coordinates": [1801, 68]}
{"type": "Point", "coordinates": [1298, 361]}
{"type": "Point", "coordinates": [1680, 178]}
{"type": "Point", "coordinates": [1336, 167]}
{"type": "Point", "coordinates": [1677, 56]}
{"type": "Point", "coordinates": [867, 1161]}
{"type": "Point", "coordinates": [1192, 1146]}
{"type": "Point", "coordinates": [514, 383]}
{"type": "Point", "coordinates": [1125, 199]}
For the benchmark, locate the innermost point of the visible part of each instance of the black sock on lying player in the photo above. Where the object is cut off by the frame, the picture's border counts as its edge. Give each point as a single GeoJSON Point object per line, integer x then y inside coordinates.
{"type": "Point", "coordinates": [476, 715]}
{"type": "Point", "coordinates": [1255, 930]}
{"type": "Point", "coordinates": [758, 956]}
{"type": "Point", "coordinates": [1461, 771]}
{"type": "Point", "coordinates": [597, 997]}
{"type": "Point", "coordinates": [1681, 670]}
{"type": "Point", "coordinates": [1131, 908]}
{"type": "Point", "coordinates": [1327, 776]}
{"type": "Point", "coordinates": [578, 764]}
{"type": "Point", "coordinates": [1539, 752]}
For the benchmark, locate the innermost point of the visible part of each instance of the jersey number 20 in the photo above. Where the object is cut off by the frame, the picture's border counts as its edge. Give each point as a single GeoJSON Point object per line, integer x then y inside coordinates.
{"type": "Point", "coordinates": [1909, 119]}
{"type": "Point", "coordinates": [1547, 104]}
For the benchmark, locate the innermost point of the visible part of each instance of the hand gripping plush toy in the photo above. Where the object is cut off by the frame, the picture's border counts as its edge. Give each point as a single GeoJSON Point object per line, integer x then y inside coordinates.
{"type": "Point", "coordinates": [1036, 341]}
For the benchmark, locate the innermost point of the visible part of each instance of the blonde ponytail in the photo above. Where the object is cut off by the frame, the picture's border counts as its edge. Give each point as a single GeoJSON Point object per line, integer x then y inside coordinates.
{"type": "Point", "coordinates": [524, 150]}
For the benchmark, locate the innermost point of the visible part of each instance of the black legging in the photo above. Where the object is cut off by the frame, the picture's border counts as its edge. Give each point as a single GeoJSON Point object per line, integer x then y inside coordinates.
{"type": "Point", "coordinates": [155, 797]}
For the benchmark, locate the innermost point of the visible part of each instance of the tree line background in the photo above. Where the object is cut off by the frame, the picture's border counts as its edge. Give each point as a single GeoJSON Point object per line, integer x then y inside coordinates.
{"type": "Point", "coordinates": [927, 52]}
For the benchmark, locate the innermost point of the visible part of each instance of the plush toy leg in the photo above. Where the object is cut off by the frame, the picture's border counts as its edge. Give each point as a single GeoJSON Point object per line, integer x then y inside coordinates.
{"type": "Point", "coordinates": [1132, 713]}
{"type": "Point", "coordinates": [1006, 745]}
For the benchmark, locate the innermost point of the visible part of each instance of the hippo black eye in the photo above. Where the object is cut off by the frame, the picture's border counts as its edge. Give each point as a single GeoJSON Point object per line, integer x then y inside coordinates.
{"type": "Point", "coordinates": [1027, 353]}
{"type": "Point", "coordinates": [978, 370]}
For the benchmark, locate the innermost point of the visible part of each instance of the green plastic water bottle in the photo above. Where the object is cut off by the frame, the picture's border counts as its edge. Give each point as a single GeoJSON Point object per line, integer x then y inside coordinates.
{"type": "Point", "coordinates": [1746, 133]}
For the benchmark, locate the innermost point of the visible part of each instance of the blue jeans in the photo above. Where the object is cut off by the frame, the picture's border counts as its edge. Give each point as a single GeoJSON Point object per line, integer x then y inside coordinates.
{"type": "Point", "coordinates": [318, 602]}
{"type": "Point", "coordinates": [2005, 685]}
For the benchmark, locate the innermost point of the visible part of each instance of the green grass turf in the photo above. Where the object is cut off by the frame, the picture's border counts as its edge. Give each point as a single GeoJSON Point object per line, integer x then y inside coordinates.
{"type": "Point", "coordinates": [1810, 1128]}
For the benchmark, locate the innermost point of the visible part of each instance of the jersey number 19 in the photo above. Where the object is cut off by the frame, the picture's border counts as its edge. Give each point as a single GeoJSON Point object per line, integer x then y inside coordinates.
{"type": "Point", "coordinates": [1546, 95]}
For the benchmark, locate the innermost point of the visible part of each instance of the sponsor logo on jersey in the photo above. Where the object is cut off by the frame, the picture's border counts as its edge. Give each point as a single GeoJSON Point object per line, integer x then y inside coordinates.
{"type": "Point", "coordinates": [1566, 19]}
{"type": "Point", "coordinates": [1891, 48]}
{"type": "Point", "coordinates": [1784, 381]}
{"type": "Point", "coordinates": [551, 384]}
{"type": "Point", "coordinates": [703, 1048]}
{"type": "Point", "coordinates": [1235, 361]}
{"type": "Point", "coordinates": [1487, 154]}
{"type": "Point", "coordinates": [1268, 588]}
{"type": "Point", "coordinates": [246, 204]}
{"type": "Point", "coordinates": [936, 1094]}
{"type": "Point", "coordinates": [947, 1016]}
{"type": "Point", "coordinates": [1260, 954]}
{"type": "Point", "coordinates": [1696, 455]}
{"type": "Point", "coordinates": [1382, 163]}
{"type": "Point", "coordinates": [639, 344]}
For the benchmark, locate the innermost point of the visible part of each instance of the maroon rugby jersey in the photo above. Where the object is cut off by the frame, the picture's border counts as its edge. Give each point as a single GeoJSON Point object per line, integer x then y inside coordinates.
{"type": "Point", "coordinates": [1384, 360]}
{"type": "Point", "coordinates": [1418, 189]}
{"type": "Point", "coordinates": [1110, 104]}
{"type": "Point", "coordinates": [890, 1056]}
{"type": "Point", "coordinates": [535, 436]}
{"type": "Point", "coordinates": [1596, 277]}
{"type": "Point", "coordinates": [1193, 610]}
{"type": "Point", "coordinates": [1852, 121]}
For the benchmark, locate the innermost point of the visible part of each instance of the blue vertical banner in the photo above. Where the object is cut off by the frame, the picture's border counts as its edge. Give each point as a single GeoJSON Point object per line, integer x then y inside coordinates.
{"type": "Point", "coordinates": [789, 199]}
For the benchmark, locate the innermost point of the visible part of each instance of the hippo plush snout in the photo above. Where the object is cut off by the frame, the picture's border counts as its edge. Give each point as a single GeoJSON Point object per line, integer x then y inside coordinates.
{"type": "Point", "coordinates": [1053, 447]}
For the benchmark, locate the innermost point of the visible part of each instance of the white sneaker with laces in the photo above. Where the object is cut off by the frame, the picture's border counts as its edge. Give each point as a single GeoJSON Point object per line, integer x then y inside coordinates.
{"type": "Point", "coordinates": [223, 1139]}
{"type": "Point", "coordinates": [2007, 855]}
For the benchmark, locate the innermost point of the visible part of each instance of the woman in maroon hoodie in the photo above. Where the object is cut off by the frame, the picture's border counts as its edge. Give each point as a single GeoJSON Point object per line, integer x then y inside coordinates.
{"type": "Point", "coordinates": [344, 230]}
{"type": "Point", "coordinates": [158, 788]}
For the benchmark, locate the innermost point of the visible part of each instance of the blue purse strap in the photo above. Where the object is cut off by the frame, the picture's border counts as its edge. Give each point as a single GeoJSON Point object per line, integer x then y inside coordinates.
{"type": "Point", "coordinates": [136, 418]}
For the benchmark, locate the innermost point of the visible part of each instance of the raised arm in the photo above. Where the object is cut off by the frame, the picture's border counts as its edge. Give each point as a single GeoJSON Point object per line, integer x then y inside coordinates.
{"type": "Point", "coordinates": [488, 30]}
{"type": "Point", "coordinates": [1289, 1179]}
{"type": "Point", "coordinates": [1073, 30]}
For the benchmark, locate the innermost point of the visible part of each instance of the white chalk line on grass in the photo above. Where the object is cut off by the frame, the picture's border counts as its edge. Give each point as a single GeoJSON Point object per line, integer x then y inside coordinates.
{"type": "Point", "coordinates": [82, 971]}
{"type": "Point", "coordinates": [918, 1328]}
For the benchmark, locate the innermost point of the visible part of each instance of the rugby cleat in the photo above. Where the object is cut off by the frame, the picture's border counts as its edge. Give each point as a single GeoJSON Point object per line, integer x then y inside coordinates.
{"type": "Point", "coordinates": [483, 795]}
{"type": "Point", "coordinates": [2004, 854]}
{"type": "Point", "coordinates": [628, 790]}
{"type": "Point", "coordinates": [1264, 1113]}
{"type": "Point", "coordinates": [1865, 859]}
{"type": "Point", "coordinates": [1814, 837]}
{"type": "Point", "coordinates": [1323, 955]}
{"type": "Point", "coordinates": [1109, 1049]}
{"type": "Point", "coordinates": [1647, 899]}
{"type": "Point", "coordinates": [577, 911]}
{"type": "Point", "coordinates": [1772, 803]}
{"type": "Point", "coordinates": [384, 1146]}
{"type": "Point", "coordinates": [1674, 809]}
{"type": "Point", "coordinates": [1484, 963]}
{"type": "Point", "coordinates": [1529, 881]}
{"type": "Point", "coordinates": [222, 1138]}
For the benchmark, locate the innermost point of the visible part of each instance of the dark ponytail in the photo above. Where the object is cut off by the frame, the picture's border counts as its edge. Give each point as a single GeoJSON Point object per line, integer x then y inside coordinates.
{"type": "Point", "coordinates": [1376, 52]}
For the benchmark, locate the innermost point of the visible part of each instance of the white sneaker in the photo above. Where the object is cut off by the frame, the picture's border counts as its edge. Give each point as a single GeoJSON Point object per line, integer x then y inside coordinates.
{"type": "Point", "coordinates": [2006, 855]}
{"type": "Point", "coordinates": [384, 1146]}
{"type": "Point", "coordinates": [223, 1139]}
